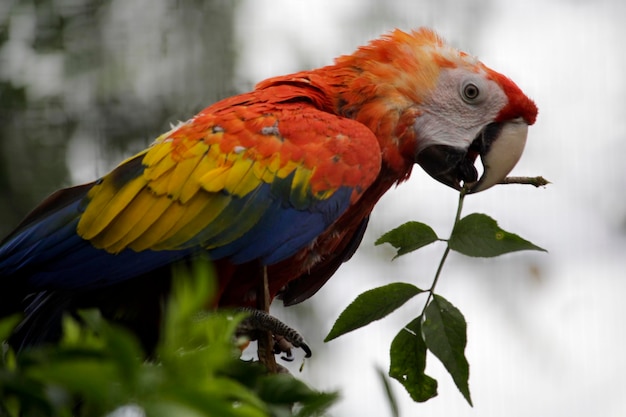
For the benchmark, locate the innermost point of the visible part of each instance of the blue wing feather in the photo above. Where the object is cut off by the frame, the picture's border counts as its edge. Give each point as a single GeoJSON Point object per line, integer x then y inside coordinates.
{"type": "Point", "coordinates": [284, 230]}
{"type": "Point", "coordinates": [49, 254]}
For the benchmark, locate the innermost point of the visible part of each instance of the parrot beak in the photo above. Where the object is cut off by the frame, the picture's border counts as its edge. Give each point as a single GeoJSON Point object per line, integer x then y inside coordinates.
{"type": "Point", "coordinates": [500, 146]}
{"type": "Point", "coordinates": [499, 152]}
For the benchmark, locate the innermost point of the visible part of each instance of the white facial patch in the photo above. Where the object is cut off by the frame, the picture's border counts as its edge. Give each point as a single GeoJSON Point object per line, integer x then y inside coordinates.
{"type": "Point", "coordinates": [451, 118]}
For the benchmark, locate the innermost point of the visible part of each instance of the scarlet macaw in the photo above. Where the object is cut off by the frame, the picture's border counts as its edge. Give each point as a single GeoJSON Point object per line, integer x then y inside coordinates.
{"type": "Point", "coordinates": [282, 177]}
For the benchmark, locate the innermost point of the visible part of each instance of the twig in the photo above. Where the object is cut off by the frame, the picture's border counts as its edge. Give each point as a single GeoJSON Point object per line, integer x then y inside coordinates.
{"type": "Point", "coordinates": [457, 217]}
{"type": "Point", "coordinates": [538, 181]}
{"type": "Point", "coordinates": [534, 181]}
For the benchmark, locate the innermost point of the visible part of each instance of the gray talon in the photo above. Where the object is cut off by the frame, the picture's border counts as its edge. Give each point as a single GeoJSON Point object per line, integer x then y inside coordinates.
{"type": "Point", "coordinates": [284, 336]}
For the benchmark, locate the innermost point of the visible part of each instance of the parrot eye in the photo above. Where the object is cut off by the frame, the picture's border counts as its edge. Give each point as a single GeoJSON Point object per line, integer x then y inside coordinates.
{"type": "Point", "coordinates": [473, 90]}
{"type": "Point", "coordinates": [470, 92]}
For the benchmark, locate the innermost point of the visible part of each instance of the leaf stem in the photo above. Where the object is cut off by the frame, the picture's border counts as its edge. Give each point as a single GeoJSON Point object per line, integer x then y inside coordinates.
{"type": "Point", "coordinates": [459, 208]}
{"type": "Point", "coordinates": [457, 217]}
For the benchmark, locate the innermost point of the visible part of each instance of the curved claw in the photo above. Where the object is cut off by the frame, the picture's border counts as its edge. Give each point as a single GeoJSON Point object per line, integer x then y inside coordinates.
{"type": "Point", "coordinates": [285, 337]}
{"type": "Point", "coordinates": [307, 350]}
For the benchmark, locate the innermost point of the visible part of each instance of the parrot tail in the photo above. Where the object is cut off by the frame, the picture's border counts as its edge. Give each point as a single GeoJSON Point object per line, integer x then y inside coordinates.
{"type": "Point", "coordinates": [44, 227]}
{"type": "Point", "coordinates": [137, 305]}
{"type": "Point", "coordinates": [42, 320]}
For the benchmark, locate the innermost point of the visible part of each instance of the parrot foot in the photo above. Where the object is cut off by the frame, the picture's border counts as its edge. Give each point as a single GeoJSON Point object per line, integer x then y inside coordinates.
{"type": "Point", "coordinates": [285, 338]}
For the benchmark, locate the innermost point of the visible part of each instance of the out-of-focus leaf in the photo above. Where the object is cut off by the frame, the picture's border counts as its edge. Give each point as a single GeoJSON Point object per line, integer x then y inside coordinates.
{"type": "Point", "coordinates": [316, 406]}
{"type": "Point", "coordinates": [195, 288]}
{"type": "Point", "coordinates": [478, 235]}
{"type": "Point", "coordinates": [445, 334]}
{"type": "Point", "coordinates": [90, 378]}
{"type": "Point", "coordinates": [7, 325]}
{"type": "Point", "coordinates": [168, 408]}
{"type": "Point", "coordinates": [209, 403]}
{"type": "Point", "coordinates": [372, 305]}
{"type": "Point", "coordinates": [120, 344]}
{"type": "Point", "coordinates": [99, 368]}
{"type": "Point", "coordinates": [391, 399]}
{"type": "Point", "coordinates": [286, 390]}
{"type": "Point", "coordinates": [408, 362]}
{"type": "Point", "coordinates": [282, 388]}
{"type": "Point", "coordinates": [18, 392]}
{"type": "Point", "coordinates": [409, 237]}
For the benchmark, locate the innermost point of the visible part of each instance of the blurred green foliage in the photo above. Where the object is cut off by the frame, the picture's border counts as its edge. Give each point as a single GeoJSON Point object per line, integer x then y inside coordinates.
{"type": "Point", "coordinates": [99, 368]}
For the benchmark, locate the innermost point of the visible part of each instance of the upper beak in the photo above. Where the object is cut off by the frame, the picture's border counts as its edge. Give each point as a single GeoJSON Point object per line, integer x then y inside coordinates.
{"type": "Point", "coordinates": [500, 146]}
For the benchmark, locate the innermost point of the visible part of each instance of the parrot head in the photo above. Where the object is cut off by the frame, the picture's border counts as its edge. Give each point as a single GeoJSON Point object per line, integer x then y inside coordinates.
{"type": "Point", "coordinates": [449, 108]}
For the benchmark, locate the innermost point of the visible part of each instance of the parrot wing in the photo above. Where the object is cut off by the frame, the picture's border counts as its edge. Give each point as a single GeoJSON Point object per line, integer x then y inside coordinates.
{"type": "Point", "coordinates": [245, 182]}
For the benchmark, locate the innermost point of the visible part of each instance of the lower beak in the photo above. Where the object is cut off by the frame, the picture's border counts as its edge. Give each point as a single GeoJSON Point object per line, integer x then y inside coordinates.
{"type": "Point", "coordinates": [500, 146]}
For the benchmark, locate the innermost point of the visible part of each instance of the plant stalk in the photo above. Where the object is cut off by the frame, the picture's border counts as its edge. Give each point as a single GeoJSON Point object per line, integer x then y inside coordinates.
{"type": "Point", "coordinates": [457, 217]}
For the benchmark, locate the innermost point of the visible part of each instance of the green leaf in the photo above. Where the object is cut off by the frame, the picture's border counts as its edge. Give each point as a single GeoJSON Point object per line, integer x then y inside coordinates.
{"type": "Point", "coordinates": [7, 325]}
{"type": "Point", "coordinates": [445, 334]}
{"type": "Point", "coordinates": [391, 399]}
{"type": "Point", "coordinates": [479, 235]}
{"type": "Point", "coordinates": [372, 305]}
{"type": "Point", "coordinates": [168, 408]}
{"type": "Point", "coordinates": [408, 361]}
{"type": "Point", "coordinates": [198, 372]}
{"type": "Point", "coordinates": [284, 389]}
{"type": "Point", "coordinates": [408, 237]}
{"type": "Point", "coordinates": [316, 406]}
{"type": "Point", "coordinates": [207, 402]}
{"type": "Point", "coordinates": [93, 379]}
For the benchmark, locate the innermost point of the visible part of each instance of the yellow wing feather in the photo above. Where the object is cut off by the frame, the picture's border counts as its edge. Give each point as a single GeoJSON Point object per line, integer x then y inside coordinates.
{"type": "Point", "coordinates": [182, 175]}
{"type": "Point", "coordinates": [136, 220]}
{"type": "Point", "coordinates": [245, 179]}
{"type": "Point", "coordinates": [157, 152]}
{"type": "Point", "coordinates": [215, 180]}
{"type": "Point", "coordinates": [105, 205]}
{"type": "Point", "coordinates": [203, 183]}
{"type": "Point", "coordinates": [182, 223]}
{"type": "Point", "coordinates": [193, 185]}
{"type": "Point", "coordinates": [152, 172]}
